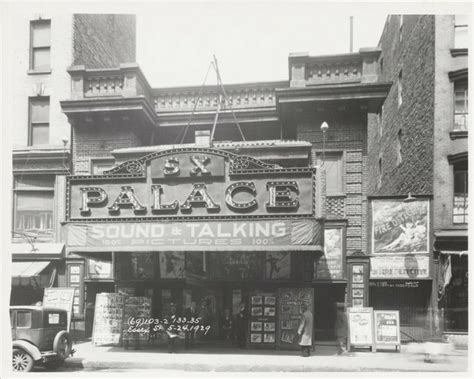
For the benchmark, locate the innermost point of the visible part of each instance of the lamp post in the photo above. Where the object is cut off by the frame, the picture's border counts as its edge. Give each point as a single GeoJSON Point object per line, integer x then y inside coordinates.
{"type": "Point", "coordinates": [324, 128]}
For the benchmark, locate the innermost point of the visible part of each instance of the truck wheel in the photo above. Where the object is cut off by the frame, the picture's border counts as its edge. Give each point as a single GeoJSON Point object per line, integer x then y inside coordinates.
{"type": "Point", "coordinates": [21, 360]}
{"type": "Point", "coordinates": [62, 345]}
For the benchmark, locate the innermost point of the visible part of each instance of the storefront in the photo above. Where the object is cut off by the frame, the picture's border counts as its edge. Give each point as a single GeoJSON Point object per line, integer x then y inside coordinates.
{"type": "Point", "coordinates": [200, 225]}
{"type": "Point", "coordinates": [401, 266]}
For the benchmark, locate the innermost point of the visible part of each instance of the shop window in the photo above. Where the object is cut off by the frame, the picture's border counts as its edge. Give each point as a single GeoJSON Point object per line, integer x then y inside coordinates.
{"type": "Point", "coordinates": [460, 206]}
{"type": "Point", "coordinates": [334, 172]}
{"type": "Point", "coordinates": [461, 31]}
{"type": "Point", "coordinates": [399, 147]}
{"type": "Point", "coordinates": [461, 107]}
{"type": "Point", "coordinates": [456, 308]}
{"type": "Point", "coordinates": [33, 205]}
{"type": "Point", "coordinates": [39, 121]}
{"type": "Point", "coordinates": [40, 53]}
{"type": "Point", "coordinates": [98, 165]}
{"type": "Point", "coordinates": [400, 88]}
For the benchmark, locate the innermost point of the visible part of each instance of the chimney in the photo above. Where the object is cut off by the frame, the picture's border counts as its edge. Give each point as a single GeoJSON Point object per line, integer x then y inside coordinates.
{"type": "Point", "coordinates": [202, 138]}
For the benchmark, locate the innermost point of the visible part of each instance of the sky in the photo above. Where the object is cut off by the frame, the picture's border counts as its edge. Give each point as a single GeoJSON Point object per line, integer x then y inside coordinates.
{"type": "Point", "coordinates": [251, 41]}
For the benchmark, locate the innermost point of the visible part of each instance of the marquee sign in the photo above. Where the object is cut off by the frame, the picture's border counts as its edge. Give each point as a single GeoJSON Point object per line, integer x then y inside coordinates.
{"type": "Point", "coordinates": [193, 183]}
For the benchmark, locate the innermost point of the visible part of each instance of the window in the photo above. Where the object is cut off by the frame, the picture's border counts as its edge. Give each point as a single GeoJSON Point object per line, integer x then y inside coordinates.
{"type": "Point", "coordinates": [460, 213]}
{"type": "Point", "coordinates": [334, 173]}
{"type": "Point", "coordinates": [381, 66]}
{"type": "Point", "coordinates": [23, 319]}
{"type": "Point", "coordinates": [40, 53]}
{"type": "Point", "coordinates": [461, 108]}
{"type": "Point", "coordinates": [399, 147]}
{"type": "Point", "coordinates": [57, 319]}
{"type": "Point", "coordinates": [399, 86]}
{"type": "Point", "coordinates": [39, 121]}
{"type": "Point", "coordinates": [461, 32]}
{"type": "Point", "coordinates": [380, 120]}
{"type": "Point", "coordinates": [34, 205]}
{"type": "Point", "coordinates": [379, 181]}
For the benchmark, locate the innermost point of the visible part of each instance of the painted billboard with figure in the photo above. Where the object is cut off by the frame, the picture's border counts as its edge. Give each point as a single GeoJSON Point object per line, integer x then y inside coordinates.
{"type": "Point", "coordinates": [400, 227]}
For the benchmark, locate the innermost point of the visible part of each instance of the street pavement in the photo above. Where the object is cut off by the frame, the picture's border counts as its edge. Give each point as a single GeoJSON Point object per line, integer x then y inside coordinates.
{"type": "Point", "coordinates": [412, 358]}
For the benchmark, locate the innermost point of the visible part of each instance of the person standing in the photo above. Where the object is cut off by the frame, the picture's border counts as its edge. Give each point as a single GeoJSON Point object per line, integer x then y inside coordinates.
{"type": "Point", "coordinates": [171, 329]}
{"type": "Point", "coordinates": [227, 324]}
{"type": "Point", "coordinates": [241, 321]}
{"type": "Point", "coordinates": [191, 315]}
{"type": "Point", "coordinates": [341, 328]}
{"type": "Point", "coordinates": [305, 330]}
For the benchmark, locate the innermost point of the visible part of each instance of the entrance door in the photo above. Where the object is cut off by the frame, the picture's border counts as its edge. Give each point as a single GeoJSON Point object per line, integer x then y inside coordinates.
{"type": "Point", "coordinates": [325, 297]}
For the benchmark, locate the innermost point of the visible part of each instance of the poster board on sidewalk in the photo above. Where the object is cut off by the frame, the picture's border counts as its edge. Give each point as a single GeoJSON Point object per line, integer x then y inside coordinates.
{"type": "Point", "coordinates": [289, 315]}
{"type": "Point", "coordinates": [360, 321]}
{"type": "Point", "coordinates": [137, 307]}
{"type": "Point", "coordinates": [387, 329]}
{"type": "Point", "coordinates": [108, 317]}
{"type": "Point", "coordinates": [61, 298]}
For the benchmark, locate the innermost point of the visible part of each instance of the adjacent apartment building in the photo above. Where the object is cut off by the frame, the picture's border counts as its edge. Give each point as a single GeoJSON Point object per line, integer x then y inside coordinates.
{"type": "Point", "coordinates": [45, 45]}
{"type": "Point", "coordinates": [418, 152]}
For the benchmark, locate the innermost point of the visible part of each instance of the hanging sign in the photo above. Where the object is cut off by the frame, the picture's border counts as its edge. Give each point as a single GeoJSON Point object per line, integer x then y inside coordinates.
{"type": "Point", "coordinates": [361, 324]}
{"type": "Point", "coordinates": [387, 328]}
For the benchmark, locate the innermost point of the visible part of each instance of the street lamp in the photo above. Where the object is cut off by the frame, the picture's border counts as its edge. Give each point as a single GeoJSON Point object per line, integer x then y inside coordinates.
{"type": "Point", "coordinates": [324, 128]}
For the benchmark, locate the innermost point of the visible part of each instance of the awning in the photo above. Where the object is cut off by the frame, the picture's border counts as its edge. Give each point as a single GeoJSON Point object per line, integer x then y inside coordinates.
{"type": "Point", "coordinates": [453, 233]}
{"type": "Point", "coordinates": [454, 252]}
{"type": "Point", "coordinates": [32, 274]}
{"type": "Point", "coordinates": [37, 251]}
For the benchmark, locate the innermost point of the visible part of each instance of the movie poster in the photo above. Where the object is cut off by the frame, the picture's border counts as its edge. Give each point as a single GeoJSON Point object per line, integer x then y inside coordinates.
{"type": "Point", "coordinates": [277, 265]}
{"type": "Point", "coordinates": [331, 264]}
{"type": "Point", "coordinates": [400, 227]}
{"type": "Point", "coordinates": [172, 264]}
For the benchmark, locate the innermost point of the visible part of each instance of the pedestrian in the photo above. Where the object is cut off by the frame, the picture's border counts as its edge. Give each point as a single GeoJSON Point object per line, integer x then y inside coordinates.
{"type": "Point", "coordinates": [305, 330]}
{"type": "Point", "coordinates": [227, 324]}
{"type": "Point", "coordinates": [191, 315]}
{"type": "Point", "coordinates": [171, 329]}
{"type": "Point", "coordinates": [241, 320]}
{"type": "Point", "coordinates": [341, 328]}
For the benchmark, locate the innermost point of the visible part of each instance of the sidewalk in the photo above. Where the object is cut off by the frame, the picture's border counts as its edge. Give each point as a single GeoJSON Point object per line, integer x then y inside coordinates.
{"type": "Point", "coordinates": [230, 359]}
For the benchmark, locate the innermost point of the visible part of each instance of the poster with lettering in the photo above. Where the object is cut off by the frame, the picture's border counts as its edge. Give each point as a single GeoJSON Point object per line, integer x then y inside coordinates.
{"type": "Point", "coordinates": [360, 322]}
{"type": "Point", "coordinates": [289, 314]}
{"type": "Point", "coordinates": [387, 328]}
{"type": "Point", "coordinates": [60, 297]}
{"type": "Point", "coordinates": [331, 264]}
{"type": "Point", "coordinates": [136, 307]}
{"type": "Point", "coordinates": [400, 227]}
{"type": "Point", "coordinates": [108, 317]}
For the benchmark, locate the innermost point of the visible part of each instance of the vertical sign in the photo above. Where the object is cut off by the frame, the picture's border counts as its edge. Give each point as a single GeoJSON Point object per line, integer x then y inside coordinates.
{"type": "Point", "coordinates": [358, 269]}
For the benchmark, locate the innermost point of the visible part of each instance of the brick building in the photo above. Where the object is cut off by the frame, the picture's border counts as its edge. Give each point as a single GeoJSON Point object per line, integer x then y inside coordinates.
{"type": "Point", "coordinates": [46, 43]}
{"type": "Point", "coordinates": [418, 153]}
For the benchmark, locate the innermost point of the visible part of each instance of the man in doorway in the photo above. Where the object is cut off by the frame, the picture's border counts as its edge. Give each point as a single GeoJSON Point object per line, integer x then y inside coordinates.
{"type": "Point", "coordinates": [190, 335]}
{"type": "Point", "coordinates": [241, 320]}
{"type": "Point", "coordinates": [305, 330]}
{"type": "Point", "coordinates": [341, 328]}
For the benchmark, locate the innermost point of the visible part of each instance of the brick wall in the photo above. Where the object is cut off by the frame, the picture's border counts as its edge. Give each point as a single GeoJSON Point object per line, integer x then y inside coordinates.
{"type": "Point", "coordinates": [104, 40]}
{"type": "Point", "coordinates": [414, 56]}
{"type": "Point", "coordinates": [97, 141]}
{"type": "Point", "coordinates": [347, 134]}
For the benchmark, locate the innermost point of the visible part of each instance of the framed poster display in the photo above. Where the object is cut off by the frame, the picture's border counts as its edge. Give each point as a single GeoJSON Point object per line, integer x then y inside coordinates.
{"type": "Point", "coordinates": [360, 322]}
{"type": "Point", "coordinates": [263, 319]}
{"type": "Point", "coordinates": [387, 329]}
{"type": "Point", "coordinates": [289, 315]}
